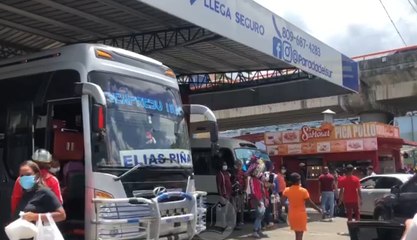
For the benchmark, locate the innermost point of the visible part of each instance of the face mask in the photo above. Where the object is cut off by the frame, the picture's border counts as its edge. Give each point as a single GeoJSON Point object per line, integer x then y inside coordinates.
{"type": "Point", "coordinates": [224, 167]}
{"type": "Point", "coordinates": [27, 182]}
{"type": "Point", "coordinates": [55, 170]}
{"type": "Point", "coordinates": [283, 171]}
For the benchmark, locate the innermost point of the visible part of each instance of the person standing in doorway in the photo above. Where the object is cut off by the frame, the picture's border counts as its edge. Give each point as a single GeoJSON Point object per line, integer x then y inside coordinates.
{"type": "Point", "coordinates": [303, 174]}
{"type": "Point", "coordinates": [297, 214]}
{"type": "Point", "coordinates": [350, 193]}
{"type": "Point", "coordinates": [327, 187]}
{"type": "Point", "coordinates": [224, 188]}
{"type": "Point", "coordinates": [370, 171]}
{"type": "Point", "coordinates": [43, 159]}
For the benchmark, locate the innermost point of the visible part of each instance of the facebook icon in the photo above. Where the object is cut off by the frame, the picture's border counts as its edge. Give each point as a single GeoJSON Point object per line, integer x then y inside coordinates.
{"type": "Point", "coordinates": [282, 50]}
{"type": "Point", "coordinates": [277, 48]}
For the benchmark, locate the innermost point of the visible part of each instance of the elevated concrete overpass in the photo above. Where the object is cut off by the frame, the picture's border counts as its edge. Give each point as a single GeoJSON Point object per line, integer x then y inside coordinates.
{"type": "Point", "coordinates": [388, 84]}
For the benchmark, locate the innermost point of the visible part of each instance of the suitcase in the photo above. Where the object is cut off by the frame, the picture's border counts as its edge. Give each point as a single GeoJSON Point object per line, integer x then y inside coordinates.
{"type": "Point", "coordinates": [68, 145]}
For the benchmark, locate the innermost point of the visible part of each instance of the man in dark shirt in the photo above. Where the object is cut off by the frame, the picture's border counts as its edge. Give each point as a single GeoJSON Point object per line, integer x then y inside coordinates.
{"type": "Point", "coordinates": [327, 187]}
{"type": "Point", "coordinates": [303, 174]}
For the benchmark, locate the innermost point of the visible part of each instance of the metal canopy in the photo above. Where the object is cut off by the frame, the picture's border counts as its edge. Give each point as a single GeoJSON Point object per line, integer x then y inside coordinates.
{"type": "Point", "coordinates": [28, 26]}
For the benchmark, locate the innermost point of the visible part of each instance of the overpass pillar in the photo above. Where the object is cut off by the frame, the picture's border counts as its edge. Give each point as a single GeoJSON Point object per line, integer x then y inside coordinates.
{"type": "Point", "coordinates": [376, 116]}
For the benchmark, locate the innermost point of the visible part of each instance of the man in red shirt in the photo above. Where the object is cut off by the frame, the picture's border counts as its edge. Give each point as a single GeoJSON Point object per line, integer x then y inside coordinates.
{"type": "Point", "coordinates": [350, 193]}
{"type": "Point", "coordinates": [43, 158]}
{"type": "Point", "coordinates": [327, 187]}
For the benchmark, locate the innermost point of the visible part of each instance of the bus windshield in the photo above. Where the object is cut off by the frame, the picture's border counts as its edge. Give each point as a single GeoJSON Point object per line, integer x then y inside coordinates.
{"type": "Point", "coordinates": [244, 154]}
{"type": "Point", "coordinates": [145, 123]}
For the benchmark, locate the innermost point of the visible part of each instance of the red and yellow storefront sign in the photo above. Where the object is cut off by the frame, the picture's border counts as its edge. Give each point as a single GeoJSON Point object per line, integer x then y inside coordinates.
{"type": "Point", "coordinates": [329, 139]}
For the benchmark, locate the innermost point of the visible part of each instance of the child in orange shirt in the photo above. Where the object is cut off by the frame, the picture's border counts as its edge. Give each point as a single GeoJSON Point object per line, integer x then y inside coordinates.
{"type": "Point", "coordinates": [297, 214]}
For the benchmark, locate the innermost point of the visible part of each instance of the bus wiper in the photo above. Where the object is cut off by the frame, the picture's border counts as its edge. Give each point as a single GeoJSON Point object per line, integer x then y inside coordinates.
{"type": "Point", "coordinates": [128, 172]}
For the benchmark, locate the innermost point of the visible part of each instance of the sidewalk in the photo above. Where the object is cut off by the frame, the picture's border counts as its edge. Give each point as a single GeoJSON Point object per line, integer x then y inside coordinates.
{"type": "Point", "coordinates": [317, 230]}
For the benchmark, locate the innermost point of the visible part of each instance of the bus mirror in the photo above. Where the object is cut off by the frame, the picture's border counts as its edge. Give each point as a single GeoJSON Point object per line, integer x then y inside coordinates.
{"type": "Point", "coordinates": [91, 89]}
{"type": "Point", "coordinates": [214, 133]}
{"type": "Point", "coordinates": [210, 117]}
{"type": "Point", "coordinates": [98, 118]}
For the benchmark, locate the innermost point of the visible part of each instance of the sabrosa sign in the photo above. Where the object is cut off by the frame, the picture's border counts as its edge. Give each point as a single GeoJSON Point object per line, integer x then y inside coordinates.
{"type": "Point", "coordinates": [308, 133]}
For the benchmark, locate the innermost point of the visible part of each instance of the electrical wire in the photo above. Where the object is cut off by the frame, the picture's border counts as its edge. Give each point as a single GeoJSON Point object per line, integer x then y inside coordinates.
{"type": "Point", "coordinates": [415, 10]}
{"type": "Point", "coordinates": [396, 29]}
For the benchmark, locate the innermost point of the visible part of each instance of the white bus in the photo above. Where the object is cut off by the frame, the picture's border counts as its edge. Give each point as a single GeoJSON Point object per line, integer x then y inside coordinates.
{"type": "Point", "coordinates": [229, 150]}
{"type": "Point", "coordinates": [118, 116]}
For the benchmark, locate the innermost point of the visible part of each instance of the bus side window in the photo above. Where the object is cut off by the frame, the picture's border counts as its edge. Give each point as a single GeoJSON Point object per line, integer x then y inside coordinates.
{"type": "Point", "coordinates": [201, 158]}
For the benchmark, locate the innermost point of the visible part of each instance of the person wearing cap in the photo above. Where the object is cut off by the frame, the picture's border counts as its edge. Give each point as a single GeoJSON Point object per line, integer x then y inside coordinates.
{"type": "Point", "coordinates": [350, 193]}
{"type": "Point", "coordinates": [370, 171]}
{"type": "Point", "coordinates": [43, 158]}
{"type": "Point", "coordinates": [297, 214]}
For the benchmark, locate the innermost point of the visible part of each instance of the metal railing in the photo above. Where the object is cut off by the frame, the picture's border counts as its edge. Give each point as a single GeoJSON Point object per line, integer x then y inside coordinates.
{"type": "Point", "coordinates": [141, 218]}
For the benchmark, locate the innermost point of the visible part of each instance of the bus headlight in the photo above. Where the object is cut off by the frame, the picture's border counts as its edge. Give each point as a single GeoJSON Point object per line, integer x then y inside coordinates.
{"type": "Point", "coordinates": [102, 194]}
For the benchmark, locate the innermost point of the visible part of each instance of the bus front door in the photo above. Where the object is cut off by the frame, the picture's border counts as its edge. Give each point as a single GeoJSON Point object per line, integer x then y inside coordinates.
{"type": "Point", "coordinates": [16, 146]}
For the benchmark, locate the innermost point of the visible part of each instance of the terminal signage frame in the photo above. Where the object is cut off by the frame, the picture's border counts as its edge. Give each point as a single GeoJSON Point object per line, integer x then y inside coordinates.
{"type": "Point", "coordinates": [248, 23]}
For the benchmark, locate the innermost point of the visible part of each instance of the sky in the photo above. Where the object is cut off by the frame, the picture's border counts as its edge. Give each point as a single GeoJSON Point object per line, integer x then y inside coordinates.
{"type": "Point", "coordinates": [353, 27]}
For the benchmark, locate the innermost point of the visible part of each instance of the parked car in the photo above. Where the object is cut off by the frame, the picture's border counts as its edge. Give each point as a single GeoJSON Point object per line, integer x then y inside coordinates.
{"type": "Point", "coordinates": [400, 204]}
{"type": "Point", "coordinates": [378, 186]}
{"type": "Point", "coordinates": [375, 230]}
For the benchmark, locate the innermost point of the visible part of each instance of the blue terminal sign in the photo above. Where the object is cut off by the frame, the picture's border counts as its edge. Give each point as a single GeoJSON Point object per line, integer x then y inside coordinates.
{"type": "Point", "coordinates": [250, 24]}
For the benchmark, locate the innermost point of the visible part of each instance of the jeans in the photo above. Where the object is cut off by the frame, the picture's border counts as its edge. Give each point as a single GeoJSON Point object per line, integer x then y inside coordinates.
{"type": "Point", "coordinates": [268, 215]}
{"type": "Point", "coordinates": [259, 215]}
{"type": "Point", "coordinates": [327, 200]}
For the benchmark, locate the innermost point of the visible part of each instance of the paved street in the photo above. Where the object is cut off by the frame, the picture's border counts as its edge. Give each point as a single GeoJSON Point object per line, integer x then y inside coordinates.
{"type": "Point", "coordinates": [317, 230]}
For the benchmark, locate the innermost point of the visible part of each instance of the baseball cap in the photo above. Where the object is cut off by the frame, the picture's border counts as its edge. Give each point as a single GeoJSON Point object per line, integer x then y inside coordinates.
{"type": "Point", "coordinates": [42, 156]}
{"type": "Point", "coordinates": [295, 177]}
{"type": "Point", "coordinates": [349, 167]}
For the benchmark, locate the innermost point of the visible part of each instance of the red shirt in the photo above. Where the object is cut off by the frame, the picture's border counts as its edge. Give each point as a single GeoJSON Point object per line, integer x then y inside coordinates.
{"type": "Point", "coordinates": [350, 185]}
{"type": "Point", "coordinates": [326, 182]}
{"type": "Point", "coordinates": [256, 188]}
{"type": "Point", "coordinates": [224, 186]}
{"type": "Point", "coordinates": [240, 177]}
{"type": "Point", "coordinates": [48, 179]}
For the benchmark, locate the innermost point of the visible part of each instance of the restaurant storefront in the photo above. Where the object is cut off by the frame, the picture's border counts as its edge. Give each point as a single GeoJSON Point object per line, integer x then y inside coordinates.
{"type": "Point", "coordinates": [361, 145]}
